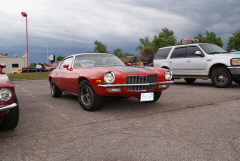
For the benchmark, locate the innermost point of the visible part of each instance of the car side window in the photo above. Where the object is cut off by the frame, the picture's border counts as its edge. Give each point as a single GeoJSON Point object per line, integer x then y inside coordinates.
{"type": "Point", "coordinates": [66, 61]}
{"type": "Point", "coordinates": [162, 53]}
{"type": "Point", "coordinates": [178, 52]}
{"type": "Point", "coordinates": [191, 50]}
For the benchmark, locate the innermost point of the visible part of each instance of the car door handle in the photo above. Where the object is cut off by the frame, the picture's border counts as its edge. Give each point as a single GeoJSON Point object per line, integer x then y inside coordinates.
{"type": "Point", "coordinates": [170, 61]}
{"type": "Point", "coordinates": [188, 60]}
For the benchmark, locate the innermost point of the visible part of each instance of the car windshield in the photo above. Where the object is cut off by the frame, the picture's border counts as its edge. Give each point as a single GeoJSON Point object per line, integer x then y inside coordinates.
{"type": "Point", "coordinates": [212, 49]}
{"type": "Point", "coordinates": [96, 60]}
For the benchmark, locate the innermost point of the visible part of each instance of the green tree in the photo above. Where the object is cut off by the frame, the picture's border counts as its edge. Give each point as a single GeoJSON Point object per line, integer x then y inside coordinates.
{"type": "Point", "coordinates": [100, 47]}
{"type": "Point", "coordinates": [118, 52]}
{"type": "Point", "coordinates": [144, 42]}
{"type": "Point", "coordinates": [147, 54]}
{"type": "Point", "coordinates": [60, 58]}
{"type": "Point", "coordinates": [163, 39]}
{"type": "Point", "coordinates": [234, 41]}
{"type": "Point", "coordinates": [209, 38]}
{"type": "Point", "coordinates": [33, 64]}
{"type": "Point", "coordinates": [127, 54]}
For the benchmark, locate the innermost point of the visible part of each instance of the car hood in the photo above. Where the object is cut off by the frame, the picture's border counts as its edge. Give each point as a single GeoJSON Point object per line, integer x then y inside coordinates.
{"type": "Point", "coordinates": [232, 55]}
{"type": "Point", "coordinates": [4, 81]}
{"type": "Point", "coordinates": [127, 69]}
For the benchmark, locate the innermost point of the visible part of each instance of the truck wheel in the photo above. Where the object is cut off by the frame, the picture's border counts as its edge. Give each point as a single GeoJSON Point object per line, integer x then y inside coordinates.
{"type": "Point", "coordinates": [157, 95]}
{"type": "Point", "coordinates": [11, 118]}
{"type": "Point", "coordinates": [88, 98]}
{"type": "Point", "coordinates": [221, 78]}
{"type": "Point", "coordinates": [54, 90]}
{"type": "Point", "coordinates": [189, 80]}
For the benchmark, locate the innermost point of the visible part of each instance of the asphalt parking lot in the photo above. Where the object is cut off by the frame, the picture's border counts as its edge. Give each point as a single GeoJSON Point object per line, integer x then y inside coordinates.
{"type": "Point", "coordinates": [188, 122]}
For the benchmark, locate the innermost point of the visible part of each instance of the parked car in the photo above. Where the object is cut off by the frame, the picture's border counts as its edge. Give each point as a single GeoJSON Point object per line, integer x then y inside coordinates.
{"type": "Point", "coordinates": [95, 76]}
{"type": "Point", "coordinates": [9, 108]}
{"type": "Point", "coordinates": [30, 69]}
{"type": "Point", "coordinates": [200, 61]}
{"type": "Point", "coordinates": [236, 52]}
{"type": "Point", "coordinates": [19, 71]}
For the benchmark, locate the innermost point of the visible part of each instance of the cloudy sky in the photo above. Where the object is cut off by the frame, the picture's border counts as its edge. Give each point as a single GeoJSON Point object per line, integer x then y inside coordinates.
{"type": "Point", "coordinates": [67, 27]}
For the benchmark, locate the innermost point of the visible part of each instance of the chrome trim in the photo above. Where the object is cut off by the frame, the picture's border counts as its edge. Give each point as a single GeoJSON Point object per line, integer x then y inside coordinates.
{"type": "Point", "coordinates": [129, 85]}
{"type": "Point", "coordinates": [8, 107]}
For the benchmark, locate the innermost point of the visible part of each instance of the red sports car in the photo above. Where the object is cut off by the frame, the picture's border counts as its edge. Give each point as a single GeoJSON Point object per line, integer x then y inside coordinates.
{"type": "Point", "coordinates": [9, 109]}
{"type": "Point", "coordinates": [93, 76]}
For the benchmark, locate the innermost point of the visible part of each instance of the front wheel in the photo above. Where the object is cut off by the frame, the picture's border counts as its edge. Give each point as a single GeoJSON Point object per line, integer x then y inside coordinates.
{"type": "Point", "coordinates": [11, 118]}
{"type": "Point", "coordinates": [221, 78]}
{"type": "Point", "coordinates": [88, 98]}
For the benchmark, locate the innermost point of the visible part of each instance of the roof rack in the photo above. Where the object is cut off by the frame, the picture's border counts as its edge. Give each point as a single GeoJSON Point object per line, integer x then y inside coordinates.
{"type": "Point", "coordinates": [187, 41]}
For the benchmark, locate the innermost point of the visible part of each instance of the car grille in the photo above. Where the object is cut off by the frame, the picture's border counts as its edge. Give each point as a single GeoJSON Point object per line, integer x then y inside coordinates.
{"type": "Point", "coordinates": [140, 79]}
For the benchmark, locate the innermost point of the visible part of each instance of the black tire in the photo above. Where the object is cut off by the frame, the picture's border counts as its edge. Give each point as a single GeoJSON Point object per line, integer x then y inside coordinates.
{"type": "Point", "coordinates": [237, 81]}
{"type": "Point", "coordinates": [55, 92]}
{"type": "Point", "coordinates": [11, 118]}
{"type": "Point", "coordinates": [88, 98]}
{"type": "Point", "coordinates": [157, 95]}
{"type": "Point", "coordinates": [189, 80]}
{"type": "Point", "coordinates": [221, 78]}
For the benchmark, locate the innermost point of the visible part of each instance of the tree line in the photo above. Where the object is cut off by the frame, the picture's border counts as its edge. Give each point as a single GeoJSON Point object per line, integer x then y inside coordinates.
{"type": "Point", "coordinates": [165, 38]}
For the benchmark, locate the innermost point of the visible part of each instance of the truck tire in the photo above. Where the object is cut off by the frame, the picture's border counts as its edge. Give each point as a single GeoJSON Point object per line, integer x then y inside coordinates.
{"type": "Point", "coordinates": [221, 78]}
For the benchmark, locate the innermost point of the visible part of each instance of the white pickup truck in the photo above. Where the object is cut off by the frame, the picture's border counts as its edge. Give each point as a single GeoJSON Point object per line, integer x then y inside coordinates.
{"type": "Point", "coordinates": [200, 61]}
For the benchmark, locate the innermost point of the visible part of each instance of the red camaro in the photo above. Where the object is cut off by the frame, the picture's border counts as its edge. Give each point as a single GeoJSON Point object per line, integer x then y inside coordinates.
{"type": "Point", "coordinates": [93, 76]}
{"type": "Point", "coordinates": [9, 109]}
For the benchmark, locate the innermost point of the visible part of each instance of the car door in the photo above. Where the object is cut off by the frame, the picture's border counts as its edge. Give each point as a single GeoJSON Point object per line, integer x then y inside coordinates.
{"type": "Point", "coordinates": [195, 64]}
{"type": "Point", "coordinates": [62, 75]}
{"type": "Point", "coordinates": [177, 61]}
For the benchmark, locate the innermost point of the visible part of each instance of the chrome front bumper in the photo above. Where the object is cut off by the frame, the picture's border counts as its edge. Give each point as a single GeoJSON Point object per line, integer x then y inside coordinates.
{"type": "Point", "coordinates": [141, 84]}
{"type": "Point", "coordinates": [235, 71]}
{"type": "Point", "coordinates": [7, 107]}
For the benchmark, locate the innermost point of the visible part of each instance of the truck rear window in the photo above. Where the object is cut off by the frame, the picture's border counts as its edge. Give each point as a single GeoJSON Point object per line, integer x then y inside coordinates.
{"type": "Point", "coordinates": [162, 53]}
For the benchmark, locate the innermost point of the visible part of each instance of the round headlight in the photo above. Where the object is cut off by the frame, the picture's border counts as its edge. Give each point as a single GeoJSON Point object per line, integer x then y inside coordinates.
{"type": "Point", "coordinates": [5, 94]}
{"type": "Point", "coordinates": [168, 75]}
{"type": "Point", "coordinates": [109, 77]}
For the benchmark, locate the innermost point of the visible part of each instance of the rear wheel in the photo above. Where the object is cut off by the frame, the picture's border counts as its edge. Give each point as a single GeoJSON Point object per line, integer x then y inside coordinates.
{"type": "Point", "coordinates": [11, 118]}
{"type": "Point", "coordinates": [221, 78]}
{"type": "Point", "coordinates": [189, 80]}
{"type": "Point", "coordinates": [88, 98]}
{"type": "Point", "coordinates": [54, 90]}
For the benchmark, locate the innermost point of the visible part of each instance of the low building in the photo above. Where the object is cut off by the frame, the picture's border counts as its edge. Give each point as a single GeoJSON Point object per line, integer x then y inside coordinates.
{"type": "Point", "coordinates": [12, 63]}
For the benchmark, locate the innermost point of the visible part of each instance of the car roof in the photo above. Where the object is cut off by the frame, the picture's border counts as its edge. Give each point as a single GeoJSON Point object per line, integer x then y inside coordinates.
{"type": "Point", "coordinates": [88, 54]}
{"type": "Point", "coordinates": [184, 45]}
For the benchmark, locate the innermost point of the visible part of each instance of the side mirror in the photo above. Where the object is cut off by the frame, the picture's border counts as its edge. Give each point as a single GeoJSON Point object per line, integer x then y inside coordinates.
{"type": "Point", "coordinates": [128, 64]}
{"type": "Point", "coordinates": [2, 66]}
{"type": "Point", "coordinates": [66, 66]}
{"type": "Point", "coordinates": [199, 53]}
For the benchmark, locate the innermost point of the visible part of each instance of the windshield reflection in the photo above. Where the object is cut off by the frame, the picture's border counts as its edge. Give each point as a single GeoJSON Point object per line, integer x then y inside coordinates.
{"type": "Point", "coordinates": [212, 49]}
{"type": "Point", "coordinates": [85, 60]}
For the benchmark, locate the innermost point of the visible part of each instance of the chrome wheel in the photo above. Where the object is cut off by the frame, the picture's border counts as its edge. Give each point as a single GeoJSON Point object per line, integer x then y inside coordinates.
{"type": "Point", "coordinates": [87, 96]}
{"type": "Point", "coordinates": [221, 78]}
